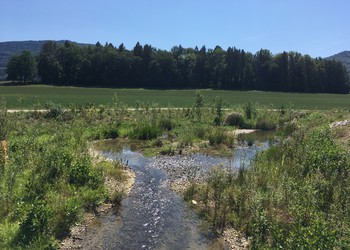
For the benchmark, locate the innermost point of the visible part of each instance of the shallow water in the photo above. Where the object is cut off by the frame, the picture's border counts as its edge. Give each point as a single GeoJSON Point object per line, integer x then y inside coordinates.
{"type": "Point", "coordinates": [153, 216]}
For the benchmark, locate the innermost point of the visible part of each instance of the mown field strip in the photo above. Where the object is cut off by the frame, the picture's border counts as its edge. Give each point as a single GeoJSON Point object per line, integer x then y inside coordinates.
{"type": "Point", "coordinates": [30, 96]}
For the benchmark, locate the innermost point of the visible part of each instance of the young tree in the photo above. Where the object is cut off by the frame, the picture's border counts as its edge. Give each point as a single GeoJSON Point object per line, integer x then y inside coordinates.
{"type": "Point", "coordinates": [199, 104]}
{"type": "Point", "coordinates": [219, 111]}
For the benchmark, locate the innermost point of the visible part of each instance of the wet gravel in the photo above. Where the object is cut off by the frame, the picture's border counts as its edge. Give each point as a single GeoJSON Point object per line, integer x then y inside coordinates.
{"type": "Point", "coordinates": [153, 216]}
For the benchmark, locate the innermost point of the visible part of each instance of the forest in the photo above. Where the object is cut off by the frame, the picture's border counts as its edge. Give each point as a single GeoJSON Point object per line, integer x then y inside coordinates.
{"type": "Point", "coordinates": [180, 68]}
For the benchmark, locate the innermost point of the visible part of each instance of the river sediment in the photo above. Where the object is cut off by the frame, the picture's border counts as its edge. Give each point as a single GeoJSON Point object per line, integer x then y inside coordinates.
{"type": "Point", "coordinates": [154, 215]}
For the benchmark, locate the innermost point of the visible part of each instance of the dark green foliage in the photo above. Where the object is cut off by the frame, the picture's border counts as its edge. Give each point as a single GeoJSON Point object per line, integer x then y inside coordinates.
{"type": "Point", "coordinates": [199, 105]}
{"type": "Point", "coordinates": [110, 131]}
{"type": "Point", "coordinates": [296, 195]}
{"type": "Point", "coordinates": [235, 119]}
{"type": "Point", "coordinates": [288, 129]}
{"type": "Point", "coordinates": [80, 173]}
{"type": "Point", "coordinates": [343, 57]}
{"type": "Point", "coordinates": [67, 215]}
{"type": "Point", "coordinates": [249, 110]}
{"type": "Point", "coordinates": [217, 136]}
{"type": "Point", "coordinates": [144, 131]}
{"type": "Point", "coordinates": [201, 132]}
{"type": "Point", "coordinates": [264, 124]}
{"type": "Point", "coordinates": [189, 192]}
{"type": "Point", "coordinates": [219, 112]}
{"type": "Point", "coordinates": [34, 224]}
{"type": "Point", "coordinates": [166, 124]}
{"type": "Point", "coordinates": [54, 110]}
{"type": "Point", "coordinates": [48, 181]}
{"type": "Point", "coordinates": [147, 67]}
{"type": "Point", "coordinates": [21, 68]}
{"type": "Point", "coordinates": [329, 159]}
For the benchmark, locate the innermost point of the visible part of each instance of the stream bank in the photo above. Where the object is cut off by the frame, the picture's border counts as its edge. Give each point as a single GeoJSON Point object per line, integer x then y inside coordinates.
{"type": "Point", "coordinates": [154, 215]}
{"type": "Point", "coordinates": [79, 234]}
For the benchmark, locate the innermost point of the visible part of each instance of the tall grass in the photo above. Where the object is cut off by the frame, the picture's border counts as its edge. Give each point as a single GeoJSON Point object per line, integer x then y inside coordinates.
{"type": "Point", "coordinates": [295, 192]}
{"type": "Point", "coordinates": [296, 195]}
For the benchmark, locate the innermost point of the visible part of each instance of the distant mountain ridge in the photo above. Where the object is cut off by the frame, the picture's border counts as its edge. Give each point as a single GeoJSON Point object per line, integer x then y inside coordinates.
{"type": "Point", "coordinates": [8, 49]}
{"type": "Point", "coordinates": [343, 57]}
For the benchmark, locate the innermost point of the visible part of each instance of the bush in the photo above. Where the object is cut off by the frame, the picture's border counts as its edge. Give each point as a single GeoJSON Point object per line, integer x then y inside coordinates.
{"type": "Point", "coordinates": [288, 129]}
{"type": "Point", "coordinates": [217, 136]}
{"type": "Point", "coordinates": [263, 124]}
{"type": "Point", "coordinates": [249, 110]}
{"type": "Point", "coordinates": [54, 110]}
{"type": "Point", "coordinates": [166, 124]}
{"type": "Point", "coordinates": [144, 131]}
{"type": "Point", "coordinates": [235, 119]}
{"type": "Point", "coordinates": [187, 139]}
{"type": "Point", "coordinates": [200, 132]}
{"type": "Point", "coordinates": [110, 132]}
{"type": "Point", "coordinates": [66, 216]}
{"type": "Point", "coordinates": [34, 224]}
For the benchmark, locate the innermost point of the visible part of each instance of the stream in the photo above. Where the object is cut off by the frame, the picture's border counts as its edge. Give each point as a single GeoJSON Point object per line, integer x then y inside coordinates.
{"type": "Point", "coordinates": [153, 216]}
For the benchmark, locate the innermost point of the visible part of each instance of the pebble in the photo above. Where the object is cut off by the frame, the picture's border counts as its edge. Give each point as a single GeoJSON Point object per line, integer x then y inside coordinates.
{"type": "Point", "coordinates": [340, 123]}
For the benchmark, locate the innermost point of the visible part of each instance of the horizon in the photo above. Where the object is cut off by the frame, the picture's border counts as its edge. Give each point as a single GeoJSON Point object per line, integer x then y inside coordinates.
{"type": "Point", "coordinates": [318, 29]}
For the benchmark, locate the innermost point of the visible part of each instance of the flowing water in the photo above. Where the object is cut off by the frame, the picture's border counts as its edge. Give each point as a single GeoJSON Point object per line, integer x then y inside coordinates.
{"type": "Point", "coordinates": [153, 216]}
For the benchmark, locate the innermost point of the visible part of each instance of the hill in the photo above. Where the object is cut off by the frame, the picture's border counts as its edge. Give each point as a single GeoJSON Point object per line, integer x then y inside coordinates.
{"type": "Point", "coordinates": [8, 49]}
{"type": "Point", "coordinates": [343, 57]}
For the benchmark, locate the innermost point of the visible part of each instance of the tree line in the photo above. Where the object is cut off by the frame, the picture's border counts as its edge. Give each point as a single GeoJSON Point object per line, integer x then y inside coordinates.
{"type": "Point", "coordinates": [147, 67]}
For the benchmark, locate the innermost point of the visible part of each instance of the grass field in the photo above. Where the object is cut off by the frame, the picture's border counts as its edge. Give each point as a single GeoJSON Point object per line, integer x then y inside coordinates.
{"type": "Point", "coordinates": [37, 95]}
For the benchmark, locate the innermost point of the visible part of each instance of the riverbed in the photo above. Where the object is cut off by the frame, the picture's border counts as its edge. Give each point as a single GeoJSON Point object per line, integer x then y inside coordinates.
{"type": "Point", "coordinates": [154, 215]}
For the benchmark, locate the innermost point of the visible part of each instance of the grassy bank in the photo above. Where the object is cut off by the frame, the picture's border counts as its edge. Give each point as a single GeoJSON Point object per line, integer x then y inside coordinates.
{"type": "Point", "coordinates": [37, 95]}
{"type": "Point", "coordinates": [296, 195]}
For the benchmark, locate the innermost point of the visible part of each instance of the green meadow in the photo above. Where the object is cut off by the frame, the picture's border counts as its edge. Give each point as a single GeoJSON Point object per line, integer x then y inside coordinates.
{"type": "Point", "coordinates": [31, 96]}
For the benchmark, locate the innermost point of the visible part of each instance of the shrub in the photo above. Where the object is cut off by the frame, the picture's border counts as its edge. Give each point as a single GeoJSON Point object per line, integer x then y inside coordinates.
{"type": "Point", "coordinates": [54, 110]}
{"type": "Point", "coordinates": [219, 111]}
{"type": "Point", "coordinates": [34, 224]}
{"type": "Point", "coordinates": [91, 199]}
{"type": "Point", "coordinates": [199, 104]}
{"type": "Point", "coordinates": [249, 110]}
{"type": "Point", "coordinates": [166, 124]}
{"type": "Point", "coordinates": [187, 139]}
{"type": "Point", "coordinates": [288, 129]}
{"type": "Point", "coordinates": [216, 136]}
{"type": "Point", "coordinates": [144, 131]}
{"type": "Point", "coordinates": [110, 132]}
{"type": "Point", "coordinates": [264, 124]}
{"type": "Point", "coordinates": [200, 132]}
{"type": "Point", "coordinates": [235, 119]}
{"type": "Point", "coordinates": [66, 216]}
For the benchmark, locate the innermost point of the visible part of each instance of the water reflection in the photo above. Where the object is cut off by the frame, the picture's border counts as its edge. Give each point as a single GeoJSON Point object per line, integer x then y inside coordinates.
{"type": "Point", "coordinates": [153, 216]}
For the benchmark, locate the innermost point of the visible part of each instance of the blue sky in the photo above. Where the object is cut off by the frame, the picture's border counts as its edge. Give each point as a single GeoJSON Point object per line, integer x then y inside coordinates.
{"type": "Point", "coordinates": [314, 27]}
